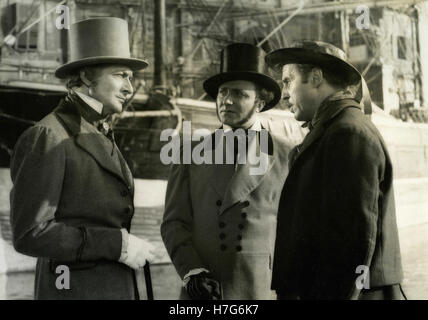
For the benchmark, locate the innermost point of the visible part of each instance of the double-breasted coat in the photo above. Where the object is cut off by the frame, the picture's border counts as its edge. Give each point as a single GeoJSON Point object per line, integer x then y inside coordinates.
{"type": "Point", "coordinates": [337, 211]}
{"type": "Point", "coordinates": [225, 220]}
{"type": "Point", "coordinates": [71, 196]}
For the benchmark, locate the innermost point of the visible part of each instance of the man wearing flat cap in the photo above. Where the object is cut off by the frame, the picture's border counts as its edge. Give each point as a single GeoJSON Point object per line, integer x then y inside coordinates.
{"type": "Point", "coordinates": [337, 232]}
{"type": "Point", "coordinates": [72, 196]}
{"type": "Point", "coordinates": [220, 218]}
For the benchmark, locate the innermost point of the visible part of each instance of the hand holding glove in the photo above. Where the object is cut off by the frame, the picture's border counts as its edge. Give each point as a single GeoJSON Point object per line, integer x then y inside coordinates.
{"type": "Point", "coordinates": [135, 251]}
{"type": "Point", "coordinates": [202, 287]}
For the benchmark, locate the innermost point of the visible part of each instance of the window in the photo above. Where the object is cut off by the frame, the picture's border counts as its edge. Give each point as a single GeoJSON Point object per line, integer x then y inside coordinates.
{"type": "Point", "coordinates": [356, 40]}
{"type": "Point", "coordinates": [28, 40]}
{"type": "Point", "coordinates": [401, 48]}
{"type": "Point", "coordinates": [25, 14]}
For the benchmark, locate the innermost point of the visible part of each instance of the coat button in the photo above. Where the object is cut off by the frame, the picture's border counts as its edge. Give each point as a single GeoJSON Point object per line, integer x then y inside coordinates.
{"type": "Point", "coordinates": [128, 209]}
{"type": "Point", "coordinates": [222, 236]}
{"type": "Point", "coordinates": [238, 248]}
{"type": "Point", "coordinates": [244, 215]}
{"type": "Point", "coordinates": [218, 203]}
{"type": "Point", "coordinates": [223, 247]}
{"type": "Point", "coordinates": [240, 226]}
{"type": "Point", "coordinates": [222, 225]}
{"type": "Point", "coordinates": [239, 237]}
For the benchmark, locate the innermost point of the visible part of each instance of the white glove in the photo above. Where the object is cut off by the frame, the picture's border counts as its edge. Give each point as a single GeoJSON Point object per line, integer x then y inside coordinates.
{"type": "Point", "coordinates": [135, 251]}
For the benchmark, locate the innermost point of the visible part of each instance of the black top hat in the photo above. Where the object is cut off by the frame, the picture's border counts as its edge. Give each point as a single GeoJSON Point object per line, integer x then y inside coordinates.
{"type": "Point", "coordinates": [316, 53]}
{"type": "Point", "coordinates": [243, 61]}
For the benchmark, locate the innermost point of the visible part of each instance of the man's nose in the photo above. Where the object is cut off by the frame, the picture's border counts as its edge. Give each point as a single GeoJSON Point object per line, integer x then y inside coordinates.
{"type": "Point", "coordinates": [127, 88]}
{"type": "Point", "coordinates": [285, 95]}
{"type": "Point", "coordinates": [227, 99]}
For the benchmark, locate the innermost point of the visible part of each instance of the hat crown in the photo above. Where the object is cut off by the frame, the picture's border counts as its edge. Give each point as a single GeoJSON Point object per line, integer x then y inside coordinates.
{"type": "Point", "coordinates": [321, 47]}
{"type": "Point", "coordinates": [99, 41]}
{"type": "Point", "coordinates": [99, 37]}
{"type": "Point", "coordinates": [242, 57]}
{"type": "Point", "coordinates": [243, 61]}
{"type": "Point", "coordinates": [316, 53]}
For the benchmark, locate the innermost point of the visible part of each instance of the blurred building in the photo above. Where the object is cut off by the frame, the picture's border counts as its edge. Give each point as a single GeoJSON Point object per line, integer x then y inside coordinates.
{"type": "Point", "coordinates": [388, 50]}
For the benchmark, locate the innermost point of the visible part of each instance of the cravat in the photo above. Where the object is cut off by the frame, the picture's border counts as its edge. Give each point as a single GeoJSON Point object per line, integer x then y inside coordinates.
{"type": "Point", "coordinates": [105, 128]}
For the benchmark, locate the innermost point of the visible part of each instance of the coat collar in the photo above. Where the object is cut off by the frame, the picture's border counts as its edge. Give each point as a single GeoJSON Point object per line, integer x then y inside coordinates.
{"type": "Point", "coordinates": [330, 111]}
{"type": "Point", "coordinates": [90, 139]}
{"type": "Point", "coordinates": [234, 186]}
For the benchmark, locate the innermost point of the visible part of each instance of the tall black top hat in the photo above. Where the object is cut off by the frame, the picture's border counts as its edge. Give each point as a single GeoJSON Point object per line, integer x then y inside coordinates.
{"type": "Point", "coordinates": [316, 53]}
{"type": "Point", "coordinates": [99, 41]}
{"type": "Point", "coordinates": [243, 61]}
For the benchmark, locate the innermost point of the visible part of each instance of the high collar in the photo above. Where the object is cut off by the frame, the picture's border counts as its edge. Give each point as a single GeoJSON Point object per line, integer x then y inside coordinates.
{"type": "Point", "coordinates": [329, 108]}
{"type": "Point", "coordinates": [91, 102]}
{"type": "Point", "coordinates": [87, 111]}
{"type": "Point", "coordinates": [256, 126]}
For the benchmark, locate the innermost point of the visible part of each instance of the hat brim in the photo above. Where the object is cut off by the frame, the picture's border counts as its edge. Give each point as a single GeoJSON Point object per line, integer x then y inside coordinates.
{"type": "Point", "coordinates": [68, 68]}
{"type": "Point", "coordinates": [212, 84]}
{"type": "Point", "coordinates": [284, 56]}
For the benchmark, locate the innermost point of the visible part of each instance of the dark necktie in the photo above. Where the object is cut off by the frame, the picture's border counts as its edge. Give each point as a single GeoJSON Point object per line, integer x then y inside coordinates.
{"type": "Point", "coordinates": [104, 127]}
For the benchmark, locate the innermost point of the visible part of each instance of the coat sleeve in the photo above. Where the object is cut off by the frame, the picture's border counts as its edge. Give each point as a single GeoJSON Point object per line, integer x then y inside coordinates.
{"type": "Point", "coordinates": [177, 224]}
{"type": "Point", "coordinates": [352, 167]}
{"type": "Point", "coordinates": [38, 171]}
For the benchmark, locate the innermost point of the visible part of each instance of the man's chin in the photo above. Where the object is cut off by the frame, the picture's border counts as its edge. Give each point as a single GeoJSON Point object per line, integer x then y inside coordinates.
{"type": "Point", "coordinates": [228, 121]}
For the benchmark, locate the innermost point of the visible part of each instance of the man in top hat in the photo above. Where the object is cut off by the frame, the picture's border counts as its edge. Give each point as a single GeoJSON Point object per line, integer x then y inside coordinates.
{"type": "Point", "coordinates": [337, 232]}
{"type": "Point", "coordinates": [72, 196]}
{"type": "Point", "coordinates": [220, 218]}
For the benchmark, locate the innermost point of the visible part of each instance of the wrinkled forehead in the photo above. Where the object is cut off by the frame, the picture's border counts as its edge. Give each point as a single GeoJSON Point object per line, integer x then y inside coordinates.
{"type": "Point", "coordinates": [288, 71]}
{"type": "Point", "coordinates": [239, 85]}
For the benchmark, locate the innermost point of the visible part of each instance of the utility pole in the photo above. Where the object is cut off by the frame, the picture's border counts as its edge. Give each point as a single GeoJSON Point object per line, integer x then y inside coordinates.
{"type": "Point", "coordinates": [159, 81]}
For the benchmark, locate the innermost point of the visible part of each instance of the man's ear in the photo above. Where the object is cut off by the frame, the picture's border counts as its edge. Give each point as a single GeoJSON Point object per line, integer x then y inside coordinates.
{"type": "Point", "coordinates": [84, 79]}
{"type": "Point", "coordinates": [260, 104]}
{"type": "Point", "coordinates": [316, 77]}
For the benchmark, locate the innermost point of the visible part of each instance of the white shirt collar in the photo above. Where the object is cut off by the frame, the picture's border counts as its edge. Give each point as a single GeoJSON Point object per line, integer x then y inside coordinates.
{"type": "Point", "coordinates": [93, 103]}
{"type": "Point", "coordinates": [256, 126]}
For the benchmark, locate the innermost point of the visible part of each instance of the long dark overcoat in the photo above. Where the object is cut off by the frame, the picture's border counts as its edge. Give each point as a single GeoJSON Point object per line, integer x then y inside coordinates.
{"type": "Point", "coordinates": [70, 198]}
{"type": "Point", "coordinates": [337, 211]}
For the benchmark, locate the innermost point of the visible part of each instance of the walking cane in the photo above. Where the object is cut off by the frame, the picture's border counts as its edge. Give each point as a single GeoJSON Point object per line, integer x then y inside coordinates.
{"type": "Point", "coordinates": [148, 278]}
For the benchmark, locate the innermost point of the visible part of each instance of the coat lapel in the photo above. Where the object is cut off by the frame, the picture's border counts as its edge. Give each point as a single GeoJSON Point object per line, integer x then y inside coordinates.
{"type": "Point", "coordinates": [87, 137]}
{"type": "Point", "coordinates": [319, 129]}
{"type": "Point", "coordinates": [126, 172]}
{"type": "Point", "coordinates": [242, 181]}
{"type": "Point", "coordinates": [218, 174]}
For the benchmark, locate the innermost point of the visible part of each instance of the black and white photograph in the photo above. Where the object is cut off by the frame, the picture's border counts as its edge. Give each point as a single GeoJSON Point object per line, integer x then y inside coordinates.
{"type": "Point", "coordinates": [213, 150]}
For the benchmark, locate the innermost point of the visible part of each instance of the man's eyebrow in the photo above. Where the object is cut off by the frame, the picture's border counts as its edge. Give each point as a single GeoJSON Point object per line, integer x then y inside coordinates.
{"type": "Point", "coordinates": [128, 72]}
{"type": "Point", "coordinates": [288, 78]}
